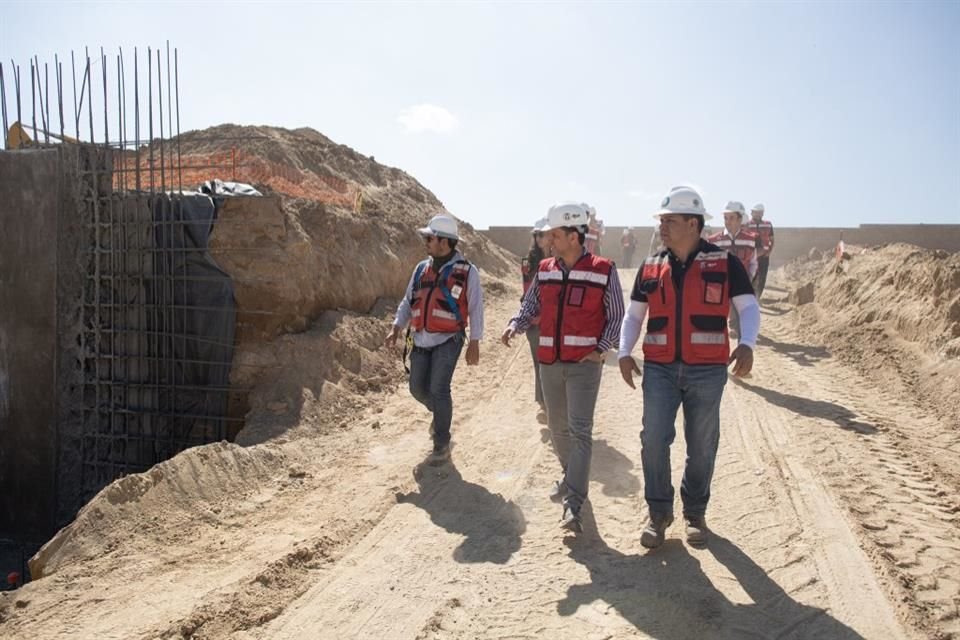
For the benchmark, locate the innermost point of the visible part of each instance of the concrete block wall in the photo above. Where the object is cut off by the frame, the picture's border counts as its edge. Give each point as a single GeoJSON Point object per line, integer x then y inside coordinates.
{"type": "Point", "coordinates": [791, 242]}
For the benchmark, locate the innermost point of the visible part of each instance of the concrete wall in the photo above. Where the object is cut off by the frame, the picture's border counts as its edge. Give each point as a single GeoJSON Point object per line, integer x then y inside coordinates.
{"type": "Point", "coordinates": [790, 242]}
{"type": "Point", "coordinates": [29, 205]}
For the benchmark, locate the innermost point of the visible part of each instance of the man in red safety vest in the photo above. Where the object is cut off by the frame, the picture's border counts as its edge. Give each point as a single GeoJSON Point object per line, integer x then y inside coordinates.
{"type": "Point", "coordinates": [764, 230]}
{"type": "Point", "coordinates": [685, 293]}
{"type": "Point", "coordinates": [578, 298]}
{"type": "Point", "coordinates": [443, 298]}
{"type": "Point", "coordinates": [740, 242]}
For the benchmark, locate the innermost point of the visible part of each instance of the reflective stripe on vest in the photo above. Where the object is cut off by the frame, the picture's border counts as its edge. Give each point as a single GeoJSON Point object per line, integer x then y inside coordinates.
{"type": "Point", "coordinates": [579, 341]}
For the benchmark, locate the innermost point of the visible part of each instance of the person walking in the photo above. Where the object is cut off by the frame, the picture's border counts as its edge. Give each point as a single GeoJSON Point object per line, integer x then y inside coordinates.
{"type": "Point", "coordinates": [540, 246]}
{"type": "Point", "coordinates": [742, 243]}
{"type": "Point", "coordinates": [578, 298]}
{"type": "Point", "coordinates": [764, 230]}
{"type": "Point", "coordinates": [685, 293]}
{"type": "Point", "coordinates": [443, 298]}
{"type": "Point", "coordinates": [628, 242]}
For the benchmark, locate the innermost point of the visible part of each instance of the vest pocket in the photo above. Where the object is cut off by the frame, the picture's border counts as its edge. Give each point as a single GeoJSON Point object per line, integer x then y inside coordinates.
{"type": "Point", "coordinates": [713, 287]}
{"type": "Point", "coordinates": [708, 323]}
{"type": "Point", "coordinates": [657, 324]}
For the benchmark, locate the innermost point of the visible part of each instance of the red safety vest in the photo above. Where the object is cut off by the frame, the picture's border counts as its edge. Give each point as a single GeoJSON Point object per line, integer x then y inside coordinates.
{"type": "Point", "coordinates": [744, 245]}
{"type": "Point", "coordinates": [440, 307]}
{"type": "Point", "coordinates": [696, 320]}
{"type": "Point", "coordinates": [764, 229]}
{"type": "Point", "coordinates": [572, 315]}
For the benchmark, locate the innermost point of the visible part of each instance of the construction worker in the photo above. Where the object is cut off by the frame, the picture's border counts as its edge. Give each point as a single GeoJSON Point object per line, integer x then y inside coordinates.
{"type": "Point", "coordinates": [685, 290]}
{"type": "Point", "coordinates": [594, 231]}
{"type": "Point", "coordinates": [764, 230]}
{"type": "Point", "coordinates": [628, 242]}
{"type": "Point", "coordinates": [443, 297]}
{"type": "Point", "coordinates": [540, 245]}
{"type": "Point", "coordinates": [578, 298]}
{"type": "Point", "coordinates": [739, 241]}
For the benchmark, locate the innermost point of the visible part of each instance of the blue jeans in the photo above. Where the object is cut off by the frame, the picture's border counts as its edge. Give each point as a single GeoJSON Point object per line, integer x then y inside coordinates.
{"type": "Point", "coordinates": [431, 371]}
{"type": "Point", "coordinates": [698, 388]}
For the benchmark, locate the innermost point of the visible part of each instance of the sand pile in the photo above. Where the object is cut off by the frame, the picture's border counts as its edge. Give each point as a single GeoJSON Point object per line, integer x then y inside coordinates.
{"type": "Point", "coordinates": [318, 265]}
{"type": "Point", "coordinates": [894, 310]}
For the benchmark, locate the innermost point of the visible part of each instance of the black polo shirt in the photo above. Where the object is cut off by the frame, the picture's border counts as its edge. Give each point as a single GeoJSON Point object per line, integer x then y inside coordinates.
{"type": "Point", "coordinates": [736, 273]}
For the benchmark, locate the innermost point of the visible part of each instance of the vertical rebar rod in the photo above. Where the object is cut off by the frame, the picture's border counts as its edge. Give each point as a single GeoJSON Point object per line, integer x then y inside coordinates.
{"type": "Point", "coordinates": [150, 109]}
{"type": "Point", "coordinates": [39, 94]}
{"type": "Point", "coordinates": [121, 150]}
{"type": "Point", "coordinates": [76, 108]}
{"type": "Point", "coordinates": [3, 102]}
{"type": "Point", "coordinates": [163, 179]}
{"type": "Point", "coordinates": [169, 114]}
{"type": "Point", "coordinates": [15, 70]}
{"type": "Point", "coordinates": [176, 80]}
{"type": "Point", "coordinates": [60, 94]}
{"type": "Point", "coordinates": [33, 98]}
{"type": "Point", "coordinates": [106, 122]}
{"type": "Point", "coordinates": [88, 83]}
{"type": "Point", "coordinates": [136, 117]}
{"type": "Point", "coordinates": [46, 90]}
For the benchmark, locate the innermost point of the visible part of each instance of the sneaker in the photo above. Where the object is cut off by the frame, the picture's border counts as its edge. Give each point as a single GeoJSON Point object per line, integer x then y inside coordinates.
{"type": "Point", "coordinates": [655, 530]}
{"type": "Point", "coordinates": [696, 530]}
{"type": "Point", "coordinates": [571, 520]}
{"type": "Point", "coordinates": [558, 492]}
{"type": "Point", "coordinates": [440, 453]}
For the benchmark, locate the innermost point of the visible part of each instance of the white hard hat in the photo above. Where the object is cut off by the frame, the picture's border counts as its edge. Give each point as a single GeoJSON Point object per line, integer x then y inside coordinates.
{"type": "Point", "coordinates": [734, 207]}
{"type": "Point", "coordinates": [567, 214]}
{"type": "Point", "coordinates": [539, 225]}
{"type": "Point", "coordinates": [757, 207]}
{"type": "Point", "coordinates": [683, 200]}
{"type": "Point", "coordinates": [442, 226]}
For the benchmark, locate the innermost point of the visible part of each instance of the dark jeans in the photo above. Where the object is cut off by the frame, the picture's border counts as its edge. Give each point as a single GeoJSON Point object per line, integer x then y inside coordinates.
{"type": "Point", "coordinates": [761, 280]}
{"type": "Point", "coordinates": [431, 371]}
{"type": "Point", "coordinates": [698, 388]}
{"type": "Point", "coordinates": [533, 337]}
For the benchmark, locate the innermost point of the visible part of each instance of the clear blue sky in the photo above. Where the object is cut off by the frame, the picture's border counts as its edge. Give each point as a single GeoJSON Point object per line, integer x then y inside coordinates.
{"type": "Point", "coordinates": [832, 114]}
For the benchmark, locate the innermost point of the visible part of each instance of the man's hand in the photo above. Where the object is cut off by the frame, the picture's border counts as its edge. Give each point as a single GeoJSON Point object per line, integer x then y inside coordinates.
{"type": "Point", "coordinates": [743, 357]}
{"type": "Point", "coordinates": [473, 352]}
{"type": "Point", "coordinates": [627, 368]}
{"type": "Point", "coordinates": [508, 333]}
{"type": "Point", "coordinates": [593, 356]}
{"type": "Point", "coordinates": [391, 340]}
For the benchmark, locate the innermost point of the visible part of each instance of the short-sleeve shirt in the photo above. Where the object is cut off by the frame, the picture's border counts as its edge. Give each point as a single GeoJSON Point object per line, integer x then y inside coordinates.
{"type": "Point", "coordinates": [739, 280]}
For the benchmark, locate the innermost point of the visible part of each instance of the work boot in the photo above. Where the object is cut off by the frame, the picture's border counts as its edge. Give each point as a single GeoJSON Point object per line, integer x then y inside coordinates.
{"type": "Point", "coordinates": [440, 453]}
{"type": "Point", "coordinates": [696, 530]}
{"type": "Point", "coordinates": [558, 492]}
{"type": "Point", "coordinates": [571, 520]}
{"type": "Point", "coordinates": [655, 530]}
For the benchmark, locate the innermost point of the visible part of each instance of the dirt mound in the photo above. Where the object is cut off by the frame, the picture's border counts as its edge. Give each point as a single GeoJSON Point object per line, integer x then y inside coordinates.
{"type": "Point", "coordinates": [894, 311]}
{"type": "Point", "coordinates": [332, 241]}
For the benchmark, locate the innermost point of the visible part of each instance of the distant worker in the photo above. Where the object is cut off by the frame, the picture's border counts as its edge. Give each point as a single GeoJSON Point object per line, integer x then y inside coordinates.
{"type": "Point", "coordinates": [540, 245]}
{"type": "Point", "coordinates": [578, 298]}
{"type": "Point", "coordinates": [763, 229]}
{"type": "Point", "coordinates": [685, 292]}
{"type": "Point", "coordinates": [594, 231]}
{"type": "Point", "coordinates": [443, 297]}
{"type": "Point", "coordinates": [628, 243]}
{"type": "Point", "coordinates": [740, 242]}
